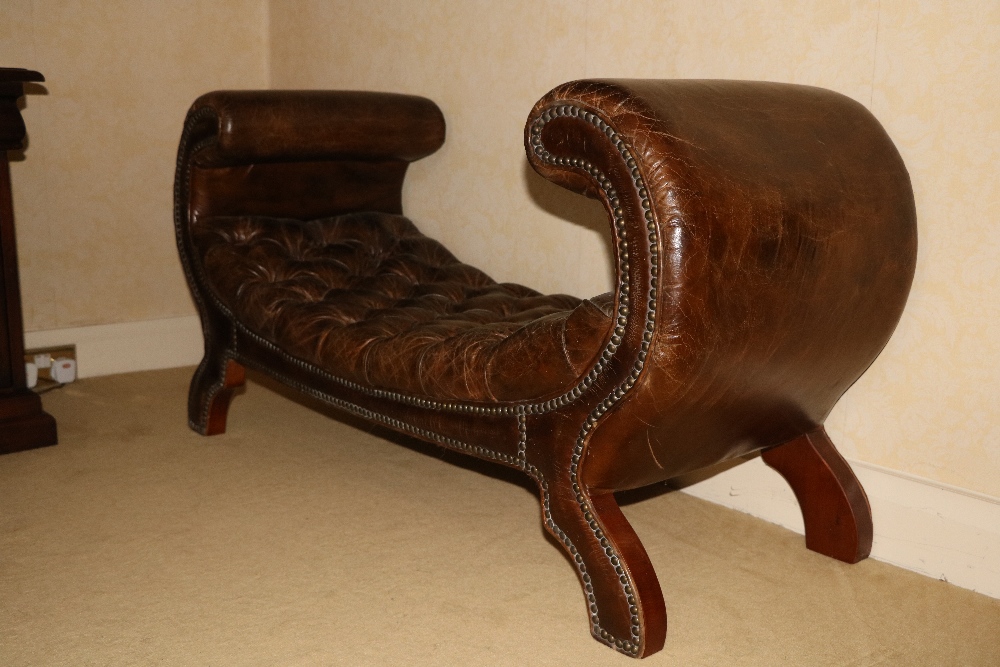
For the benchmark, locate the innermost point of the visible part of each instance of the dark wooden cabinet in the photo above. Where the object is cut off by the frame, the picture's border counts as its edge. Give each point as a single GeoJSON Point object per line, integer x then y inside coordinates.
{"type": "Point", "coordinates": [23, 423]}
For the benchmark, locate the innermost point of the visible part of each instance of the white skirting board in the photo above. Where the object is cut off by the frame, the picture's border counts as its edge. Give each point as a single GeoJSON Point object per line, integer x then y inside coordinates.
{"type": "Point", "coordinates": [932, 528]}
{"type": "Point", "coordinates": [106, 349]}
{"type": "Point", "coordinates": [935, 529]}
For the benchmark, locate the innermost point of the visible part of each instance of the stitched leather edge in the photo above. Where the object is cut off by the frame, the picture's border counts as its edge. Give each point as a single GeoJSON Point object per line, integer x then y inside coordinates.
{"type": "Point", "coordinates": [632, 645]}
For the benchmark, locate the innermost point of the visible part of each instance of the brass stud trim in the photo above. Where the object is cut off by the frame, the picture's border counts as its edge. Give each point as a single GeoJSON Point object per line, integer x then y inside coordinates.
{"type": "Point", "coordinates": [520, 410]}
{"type": "Point", "coordinates": [629, 647]}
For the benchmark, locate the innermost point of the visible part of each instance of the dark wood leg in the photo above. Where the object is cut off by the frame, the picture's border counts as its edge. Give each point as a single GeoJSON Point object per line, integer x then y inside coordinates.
{"type": "Point", "coordinates": [835, 508]}
{"type": "Point", "coordinates": [23, 422]}
{"type": "Point", "coordinates": [623, 595]}
{"type": "Point", "coordinates": [212, 388]}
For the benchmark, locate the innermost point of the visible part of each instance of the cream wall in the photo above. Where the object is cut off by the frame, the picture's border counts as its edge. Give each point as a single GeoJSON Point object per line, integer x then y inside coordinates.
{"type": "Point", "coordinates": [925, 69]}
{"type": "Point", "coordinates": [93, 194]}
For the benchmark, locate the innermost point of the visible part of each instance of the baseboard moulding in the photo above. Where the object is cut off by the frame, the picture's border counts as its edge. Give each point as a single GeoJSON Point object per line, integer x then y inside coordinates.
{"type": "Point", "coordinates": [929, 527]}
{"type": "Point", "coordinates": [126, 347]}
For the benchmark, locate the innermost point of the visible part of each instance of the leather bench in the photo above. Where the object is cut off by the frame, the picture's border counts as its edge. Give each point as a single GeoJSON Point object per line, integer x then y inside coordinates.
{"type": "Point", "coordinates": [764, 238]}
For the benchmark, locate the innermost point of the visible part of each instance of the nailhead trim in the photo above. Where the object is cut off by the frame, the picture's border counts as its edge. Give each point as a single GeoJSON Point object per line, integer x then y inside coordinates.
{"type": "Point", "coordinates": [535, 408]}
{"type": "Point", "coordinates": [521, 409]}
{"type": "Point", "coordinates": [522, 429]}
{"type": "Point", "coordinates": [462, 408]}
{"type": "Point", "coordinates": [630, 647]}
{"type": "Point", "coordinates": [398, 424]}
{"type": "Point", "coordinates": [202, 428]}
{"type": "Point", "coordinates": [183, 175]}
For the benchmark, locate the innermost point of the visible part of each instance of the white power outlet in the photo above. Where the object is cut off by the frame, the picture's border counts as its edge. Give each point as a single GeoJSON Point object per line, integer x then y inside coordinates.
{"type": "Point", "coordinates": [51, 365]}
{"type": "Point", "coordinates": [63, 370]}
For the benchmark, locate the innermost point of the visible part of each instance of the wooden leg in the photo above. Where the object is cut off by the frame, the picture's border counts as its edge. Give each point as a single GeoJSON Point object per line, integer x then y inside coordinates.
{"type": "Point", "coordinates": [835, 508]}
{"type": "Point", "coordinates": [212, 388]}
{"type": "Point", "coordinates": [23, 423]}
{"type": "Point", "coordinates": [623, 596]}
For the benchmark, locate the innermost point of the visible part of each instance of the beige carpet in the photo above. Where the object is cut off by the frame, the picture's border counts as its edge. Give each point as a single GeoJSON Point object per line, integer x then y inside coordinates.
{"type": "Point", "coordinates": [296, 539]}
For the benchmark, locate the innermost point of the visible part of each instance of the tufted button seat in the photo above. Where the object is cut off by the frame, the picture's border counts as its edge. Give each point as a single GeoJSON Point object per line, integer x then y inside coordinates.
{"type": "Point", "coordinates": [368, 298]}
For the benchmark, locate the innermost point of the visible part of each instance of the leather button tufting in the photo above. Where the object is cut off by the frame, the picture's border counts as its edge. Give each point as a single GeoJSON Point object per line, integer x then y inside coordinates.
{"type": "Point", "coordinates": [368, 298]}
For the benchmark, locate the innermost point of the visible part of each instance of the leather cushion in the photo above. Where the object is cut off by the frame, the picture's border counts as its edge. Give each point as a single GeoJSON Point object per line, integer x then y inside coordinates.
{"type": "Point", "coordinates": [369, 298]}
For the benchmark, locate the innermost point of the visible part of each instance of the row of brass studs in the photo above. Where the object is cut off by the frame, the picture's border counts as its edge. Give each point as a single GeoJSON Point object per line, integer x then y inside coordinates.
{"type": "Point", "coordinates": [215, 388]}
{"type": "Point", "coordinates": [183, 175]}
{"type": "Point", "coordinates": [483, 452]}
{"type": "Point", "coordinates": [398, 424]}
{"type": "Point", "coordinates": [522, 439]}
{"type": "Point", "coordinates": [626, 646]}
{"type": "Point", "coordinates": [467, 408]}
{"type": "Point", "coordinates": [190, 123]}
{"type": "Point", "coordinates": [629, 647]}
{"type": "Point", "coordinates": [212, 391]}
{"type": "Point", "coordinates": [430, 404]}
{"type": "Point", "coordinates": [618, 220]}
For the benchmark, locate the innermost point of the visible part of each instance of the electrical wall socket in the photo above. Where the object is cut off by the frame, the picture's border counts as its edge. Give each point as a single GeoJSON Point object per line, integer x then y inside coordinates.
{"type": "Point", "coordinates": [42, 357]}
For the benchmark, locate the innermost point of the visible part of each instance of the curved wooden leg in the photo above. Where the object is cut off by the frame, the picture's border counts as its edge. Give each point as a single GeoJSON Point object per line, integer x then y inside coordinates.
{"type": "Point", "coordinates": [835, 508]}
{"type": "Point", "coordinates": [624, 600]}
{"type": "Point", "coordinates": [212, 387]}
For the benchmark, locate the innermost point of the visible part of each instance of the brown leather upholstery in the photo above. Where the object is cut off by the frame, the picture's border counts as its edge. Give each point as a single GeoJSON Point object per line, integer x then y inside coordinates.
{"type": "Point", "coordinates": [314, 125]}
{"type": "Point", "coordinates": [367, 297]}
{"type": "Point", "coordinates": [765, 241]}
{"type": "Point", "coordinates": [784, 225]}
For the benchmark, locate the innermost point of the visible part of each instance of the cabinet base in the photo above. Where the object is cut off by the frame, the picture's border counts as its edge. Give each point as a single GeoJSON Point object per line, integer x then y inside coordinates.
{"type": "Point", "coordinates": [23, 423]}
